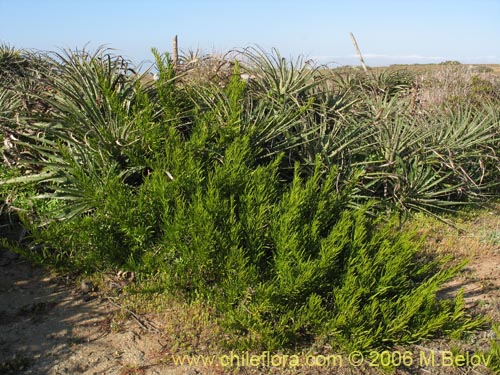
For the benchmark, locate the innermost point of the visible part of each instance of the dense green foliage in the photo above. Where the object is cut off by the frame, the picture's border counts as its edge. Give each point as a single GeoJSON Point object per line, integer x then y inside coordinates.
{"type": "Point", "coordinates": [257, 196]}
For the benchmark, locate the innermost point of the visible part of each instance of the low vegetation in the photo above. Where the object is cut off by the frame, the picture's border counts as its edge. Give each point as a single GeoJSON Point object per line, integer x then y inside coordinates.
{"type": "Point", "coordinates": [277, 200]}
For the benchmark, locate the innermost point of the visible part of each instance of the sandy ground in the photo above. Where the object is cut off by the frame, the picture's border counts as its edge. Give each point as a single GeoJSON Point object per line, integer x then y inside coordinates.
{"type": "Point", "coordinates": [47, 327]}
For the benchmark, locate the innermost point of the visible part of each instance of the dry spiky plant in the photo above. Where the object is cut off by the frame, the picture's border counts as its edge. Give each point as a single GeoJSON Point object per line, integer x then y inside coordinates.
{"type": "Point", "coordinates": [197, 67]}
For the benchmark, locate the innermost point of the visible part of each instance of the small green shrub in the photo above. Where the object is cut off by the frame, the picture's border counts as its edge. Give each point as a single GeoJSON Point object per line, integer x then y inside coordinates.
{"type": "Point", "coordinates": [483, 88]}
{"type": "Point", "coordinates": [450, 62]}
{"type": "Point", "coordinates": [481, 69]}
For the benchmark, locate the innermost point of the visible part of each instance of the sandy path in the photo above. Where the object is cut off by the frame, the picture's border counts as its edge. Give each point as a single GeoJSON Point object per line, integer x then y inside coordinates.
{"type": "Point", "coordinates": [47, 327]}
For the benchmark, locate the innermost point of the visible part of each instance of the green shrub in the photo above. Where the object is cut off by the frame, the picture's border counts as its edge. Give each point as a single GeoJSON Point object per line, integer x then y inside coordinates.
{"type": "Point", "coordinates": [284, 264]}
{"type": "Point", "coordinates": [242, 196]}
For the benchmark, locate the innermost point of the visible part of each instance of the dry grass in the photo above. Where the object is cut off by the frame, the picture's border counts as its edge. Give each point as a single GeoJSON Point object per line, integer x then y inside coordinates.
{"type": "Point", "coordinates": [477, 233]}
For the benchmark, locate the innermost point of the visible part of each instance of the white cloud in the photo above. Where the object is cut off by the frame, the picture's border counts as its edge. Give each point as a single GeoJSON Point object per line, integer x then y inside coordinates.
{"type": "Point", "coordinates": [402, 57]}
{"type": "Point", "coordinates": [386, 59]}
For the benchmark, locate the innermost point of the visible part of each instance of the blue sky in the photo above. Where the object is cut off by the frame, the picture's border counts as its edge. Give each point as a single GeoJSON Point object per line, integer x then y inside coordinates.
{"type": "Point", "coordinates": [388, 31]}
